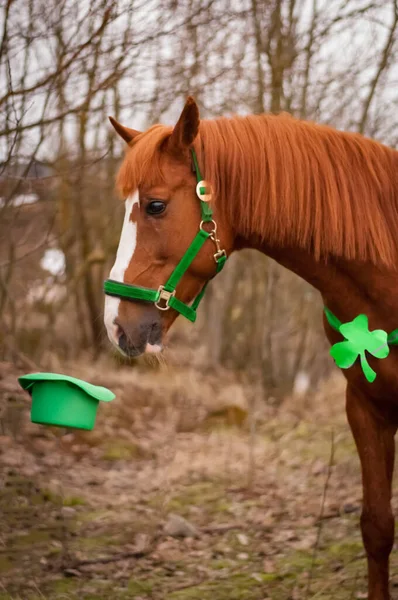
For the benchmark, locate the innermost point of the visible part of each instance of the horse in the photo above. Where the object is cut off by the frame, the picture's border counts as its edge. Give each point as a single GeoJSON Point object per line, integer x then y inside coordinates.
{"type": "Point", "coordinates": [321, 202]}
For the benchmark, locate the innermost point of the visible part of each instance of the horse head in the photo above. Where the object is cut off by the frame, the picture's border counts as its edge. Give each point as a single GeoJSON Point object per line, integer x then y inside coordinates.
{"type": "Point", "coordinates": [170, 241]}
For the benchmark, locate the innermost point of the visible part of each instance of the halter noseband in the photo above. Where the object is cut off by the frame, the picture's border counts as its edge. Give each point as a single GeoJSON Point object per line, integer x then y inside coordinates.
{"type": "Point", "coordinates": [165, 296]}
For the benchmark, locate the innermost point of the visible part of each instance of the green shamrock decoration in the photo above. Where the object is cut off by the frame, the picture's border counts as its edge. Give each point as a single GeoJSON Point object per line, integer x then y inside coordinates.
{"type": "Point", "coordinates": [358, 340]}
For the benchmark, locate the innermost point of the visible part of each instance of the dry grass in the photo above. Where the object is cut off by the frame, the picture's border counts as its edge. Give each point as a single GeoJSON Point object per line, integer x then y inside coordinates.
{"type": "Point", "coordinates": [253, 489]}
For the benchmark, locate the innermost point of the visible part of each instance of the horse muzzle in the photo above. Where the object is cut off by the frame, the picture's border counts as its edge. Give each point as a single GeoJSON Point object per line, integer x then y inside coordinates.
{"type": "Point", "coordinates": [133, 329]}
{"type": "Point", "coordinates": [133, 340]}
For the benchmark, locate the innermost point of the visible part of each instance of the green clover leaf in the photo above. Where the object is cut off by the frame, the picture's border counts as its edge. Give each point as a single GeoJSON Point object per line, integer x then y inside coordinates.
{"type": "Point", "coordinates": [358, 340]}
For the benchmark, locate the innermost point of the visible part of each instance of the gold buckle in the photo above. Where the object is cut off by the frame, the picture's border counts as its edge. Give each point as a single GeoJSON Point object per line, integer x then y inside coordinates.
{"type": "Point", "coordinates": [165, 296]}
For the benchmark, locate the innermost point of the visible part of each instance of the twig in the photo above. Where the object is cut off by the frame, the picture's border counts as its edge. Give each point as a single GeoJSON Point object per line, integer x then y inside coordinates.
{"type": "Point", "coordinates": [331, 583]}
{"type": "Point", "coordinates": [187, 586]}
{"type": "Point", "coordinates": [320, 517]}
{"type": "Point", "coordinates": [79, 167]}
{"type": "Point", "coordinates": [37, 247]}
{"type": "Point", "coordinates": [333, 515]}
{"type": "Point", "coordinates": [27, 362]}
{"type": "Point", "coordinates": [384, 61]}
{"type": "Point", "coordinates": [145, 552]}
{"type": "Point", "coordinates": [336, 514]}
{"type": "Point", "coordinates": [114, 558]}
{"type": "Point", "coordinates": [221, 528]}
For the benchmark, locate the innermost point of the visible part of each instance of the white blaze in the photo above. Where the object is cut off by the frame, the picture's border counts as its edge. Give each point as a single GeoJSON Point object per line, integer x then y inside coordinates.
{"type": "Point", "coordinates": [125, 252]}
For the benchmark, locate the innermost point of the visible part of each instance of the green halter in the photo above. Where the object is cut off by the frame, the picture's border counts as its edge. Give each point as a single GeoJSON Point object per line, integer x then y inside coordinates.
{"type": "Point", "coordinates": [164, 297]}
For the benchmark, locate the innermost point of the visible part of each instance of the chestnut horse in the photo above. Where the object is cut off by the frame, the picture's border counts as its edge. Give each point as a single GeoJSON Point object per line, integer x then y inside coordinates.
{"type": "Point", "coordinates": [321, 202]}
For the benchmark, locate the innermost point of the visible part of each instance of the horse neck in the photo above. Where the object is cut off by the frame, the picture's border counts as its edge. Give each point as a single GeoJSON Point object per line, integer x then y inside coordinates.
{"type": "Point", "coordinates": [322, 275]}
{"type": "Point", "coordinates": [348, 288]}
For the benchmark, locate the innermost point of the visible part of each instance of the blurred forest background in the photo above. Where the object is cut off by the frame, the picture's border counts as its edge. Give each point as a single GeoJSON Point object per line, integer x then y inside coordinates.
{"type": "Point", "coordinates": [241, 431]}
{"type": "Point", "coordinates": [66, 65]}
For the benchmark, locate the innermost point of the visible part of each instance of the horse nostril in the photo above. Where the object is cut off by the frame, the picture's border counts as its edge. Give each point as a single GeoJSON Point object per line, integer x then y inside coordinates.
{"type": "Point", "coordinates": [123, 343]}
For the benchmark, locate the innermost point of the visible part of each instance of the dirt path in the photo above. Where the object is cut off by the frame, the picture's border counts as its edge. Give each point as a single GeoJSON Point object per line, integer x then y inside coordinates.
{"type": "Point", "coordinates": [95, 516]}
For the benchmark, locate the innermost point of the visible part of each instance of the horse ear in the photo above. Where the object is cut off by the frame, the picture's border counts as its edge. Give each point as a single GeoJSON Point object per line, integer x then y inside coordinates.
{"type": "Point", "coordinates": [187, 127]}
{"type": "Point", "coordinates": [125, 132]}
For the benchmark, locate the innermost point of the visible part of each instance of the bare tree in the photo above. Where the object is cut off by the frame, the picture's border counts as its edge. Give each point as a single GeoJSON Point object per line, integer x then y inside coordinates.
{"type": "Point", "coordinates": [64, 66]}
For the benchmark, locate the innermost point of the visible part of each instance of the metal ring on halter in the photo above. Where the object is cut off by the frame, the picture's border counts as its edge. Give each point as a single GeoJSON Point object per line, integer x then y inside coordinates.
{"type": "Point", "coordinates": [213, 231]}
{"type": "Point", "coordinates": [203, 197]}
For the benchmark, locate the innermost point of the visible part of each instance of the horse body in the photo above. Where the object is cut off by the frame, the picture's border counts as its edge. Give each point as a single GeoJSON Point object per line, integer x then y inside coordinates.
{"type": "Point", "coordinates": [322, 203]}
{"type": "Point", "coordinates": [349, 289]}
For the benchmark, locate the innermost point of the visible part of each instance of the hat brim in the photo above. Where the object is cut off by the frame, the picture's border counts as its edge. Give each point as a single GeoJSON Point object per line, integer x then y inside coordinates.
{"type": "Point", "coordinates": [95, 391]}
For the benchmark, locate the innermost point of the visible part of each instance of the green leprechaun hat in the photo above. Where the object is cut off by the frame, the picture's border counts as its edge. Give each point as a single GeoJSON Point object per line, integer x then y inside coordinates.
{"type": "Point", "coordinates": [64, 401]}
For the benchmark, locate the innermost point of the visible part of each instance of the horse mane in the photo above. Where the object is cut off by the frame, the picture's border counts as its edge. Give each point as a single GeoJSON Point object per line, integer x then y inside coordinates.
{"type": "Point", "coordinates": [298, 183]}
{"type": "Point", "coordinates": [292, 182]}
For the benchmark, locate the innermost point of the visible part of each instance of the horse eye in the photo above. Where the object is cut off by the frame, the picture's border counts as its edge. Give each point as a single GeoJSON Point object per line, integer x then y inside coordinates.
{"type": "Point", "coordinates": [155, 207]}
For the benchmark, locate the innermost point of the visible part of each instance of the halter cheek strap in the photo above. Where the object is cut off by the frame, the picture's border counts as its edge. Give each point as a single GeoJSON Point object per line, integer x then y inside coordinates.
{"type": "Point", "coordinates": [164, 297]}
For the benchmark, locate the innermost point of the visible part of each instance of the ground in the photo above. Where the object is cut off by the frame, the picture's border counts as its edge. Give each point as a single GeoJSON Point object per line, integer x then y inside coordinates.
{"type": "Point", "coordinates": [270, 496]}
